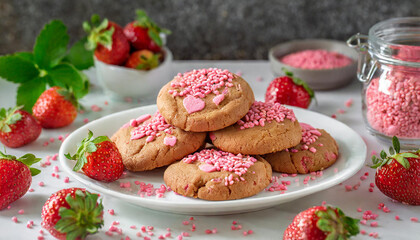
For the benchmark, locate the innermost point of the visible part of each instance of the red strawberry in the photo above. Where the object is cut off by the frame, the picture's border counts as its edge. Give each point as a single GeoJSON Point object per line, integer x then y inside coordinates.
{"type": "Point", "coordinates": [144, 34]}
{"type": "Point", "coordinates": [143, 60]}
{"type": "Point", "coordinates": [108, 40]}
{"type": "Point", "coordinates": [72, 213]}
{"type": "Point", "coordinates": [398, 175]}
{"type": "Point", "coordinates": [55, 108]}
{"type": "Point", "coordinates": [16, 177]}
{"type": "Point", "coordinates": [321, 222]}
{"type": "Point", "coordinates": [289, 90]}
{"type": "Point", "coordinates": [18, 127]}
{"type": "Point", "coordinates": [98, 158]}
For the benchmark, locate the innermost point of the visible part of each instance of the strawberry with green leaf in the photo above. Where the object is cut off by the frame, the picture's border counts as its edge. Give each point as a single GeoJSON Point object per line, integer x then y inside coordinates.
{"type": "Point", "coordinates": [18, 127]}
{"type": "Point", "coordinates": [143, 33]}
{"type": "Point", "coordinates": [72, 213]}
{"type": "Point", "coordinates": [143, 60]}
{"type": "Point", "coordinates": [55, 108]}
{"type": "Point", "coordinates": [108, 41]}
{"type": "Point", "coordinates": [15, 177]}
{"type": "Point", "coordinates": [321, 222]}
{"type": "Point", "coordinates": [44, 66]}
{"type": "Point", "coordinates": [289, 90]}
{"type": "Point", "coordinates": [398, 175]}
{"type": "Point", "coordinates": [98, 158]}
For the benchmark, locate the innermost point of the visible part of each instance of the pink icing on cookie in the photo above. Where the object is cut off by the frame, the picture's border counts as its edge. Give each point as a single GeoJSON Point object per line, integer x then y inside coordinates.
{"type": "Point", "coordinates": [217, 160]}
{"type": "Point", "coordinates": [170, 141]}
{"type": "Point", "coordinates": [152, 128]}
{"type": "Point", "coordinates": [262, 112]}
{"type": "Point", "coordinates": [193, 104]}
{"type": "Point", "coordinates": [218, 99]}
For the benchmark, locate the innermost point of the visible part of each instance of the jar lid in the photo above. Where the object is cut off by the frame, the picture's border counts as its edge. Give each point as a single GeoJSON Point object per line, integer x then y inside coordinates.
{"type": "Point", "coordinates": [396, 41]}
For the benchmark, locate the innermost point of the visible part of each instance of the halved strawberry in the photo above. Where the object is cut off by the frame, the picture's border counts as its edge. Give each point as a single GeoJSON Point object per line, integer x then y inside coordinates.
{"type": "Point", "coordinates": [98, 158]}
{"type": "Point", "coordinates": [108, 40]}
{"type": "Point", "coordinates": [144, 33]}
{"type": "Point", "coordinates": [289, 90]}
{"type": "Point", "coordinates": [398, 175]}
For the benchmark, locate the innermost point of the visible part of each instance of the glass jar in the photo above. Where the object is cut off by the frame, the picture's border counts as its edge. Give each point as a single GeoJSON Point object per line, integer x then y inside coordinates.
{"type": "Point", "coordinates": [389, 67]}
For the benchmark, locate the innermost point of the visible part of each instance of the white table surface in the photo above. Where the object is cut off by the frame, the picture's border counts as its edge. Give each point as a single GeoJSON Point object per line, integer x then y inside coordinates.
{"type": "Point", "coordinates": [266, 224]}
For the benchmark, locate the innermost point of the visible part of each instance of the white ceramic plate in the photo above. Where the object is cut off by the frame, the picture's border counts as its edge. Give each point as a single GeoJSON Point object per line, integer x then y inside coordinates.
{"type": "Point", "coordinates": [351, 159]}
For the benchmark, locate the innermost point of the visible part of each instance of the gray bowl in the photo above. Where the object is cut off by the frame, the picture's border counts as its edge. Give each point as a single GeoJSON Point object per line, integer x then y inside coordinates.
{"type": "Point", "coordinates": [324, 79]}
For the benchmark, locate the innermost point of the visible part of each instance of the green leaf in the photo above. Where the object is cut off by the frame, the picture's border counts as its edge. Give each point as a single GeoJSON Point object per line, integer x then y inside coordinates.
{"type": "Point", "coordinates": [28, 93]}
{"type": "Point", "coordinates": [29, 159]}
{"type": "Point", "coordinates": [51, 44]}
{"type": "Point", "coordinates": [34, 171]}
{"type": "Point", "coordinates": [101, 139]}
{"type": "Point", "coordinates": [383, 154]}
{"type": "Point", "coordinates": [66, 76]}
{"type": "Point", "coordinates": [403, 161]}
{"type": "Point", "coordinates": [25, 55]}
{"type": "Point", "coordinates": [154, 35]}
{"type": "Point", "coordinates": [91, 147]}
{"type": "Point", "coordinates": [391, 151]}
{"type": "Point", "coordinates": [409, 155]}
{"type": "Point", "coordinates": [17, 69]}
{"type": "Point", "coordinates": [396, 144]}
{"type": "Point", "coordinates": [79, 56]}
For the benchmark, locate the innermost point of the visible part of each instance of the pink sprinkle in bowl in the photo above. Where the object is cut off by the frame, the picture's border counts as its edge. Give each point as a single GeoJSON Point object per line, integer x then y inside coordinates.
{"type": "Point", "coordinates": [317, 79]}
{"type": "Point", "coordinates": [120, 82]}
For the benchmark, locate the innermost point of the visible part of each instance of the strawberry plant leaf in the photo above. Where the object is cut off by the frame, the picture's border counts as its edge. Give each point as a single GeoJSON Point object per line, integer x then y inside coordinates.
{"type": "Point", "coordinates": [409, 155]}
{"type": "Point", "coordinates": [25, 55]}
{"type": "Point", "coordinates": [391, 151]}
{"type": "Point", "coordinates": [396, 144]}
{"type": "Point", "coordinates": [67, 76]}
{"type": "Point", "coordinates": [154, 35]}
{"type": "Point", "coordinates": [383, 154]}
{"type": "Point", "coordinates": [17, 69]}
{"type": "Point", "coordinates": [101, 139]}
{"type": "Point", "coordinates": [79, 56]}
{"type": "Point", "coordinates": [34, 171]}
{"type": "Point", "coordinates": [403, 161]}
{"type": "Point", "coordinates": [29, 92]}
{"type": "Point", "coordinates": [29, 159]}
{"type": "Point", "coordinates": [91, 147]}
{"type": "Point", "coordinates": [51, 44]}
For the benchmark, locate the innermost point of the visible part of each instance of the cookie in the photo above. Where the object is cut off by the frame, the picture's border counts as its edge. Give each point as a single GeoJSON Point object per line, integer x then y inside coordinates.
{"type": "Point", "coordinates": [205, 100]}
{"type": "Point", "coordinates": [317, 151]}
{"type": "Point", "coordinates": [215, 175]}
{"type": "Point", "coordinates": [149, 142]}
{"type": "Point", "coordinates": [266, 128]}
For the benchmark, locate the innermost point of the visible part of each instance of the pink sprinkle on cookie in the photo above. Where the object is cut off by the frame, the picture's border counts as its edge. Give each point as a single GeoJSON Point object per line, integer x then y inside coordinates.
{"type": "Point", "coordinates": [152, 128]}
{"type": "Point", "coordinates": [218, 99]}
{"type": "Point", "coordinates": [262, 112]}
{"type": "Point", "coordinates": [200, 83]}
{"type": "Point", "coordinates": [220, 160]}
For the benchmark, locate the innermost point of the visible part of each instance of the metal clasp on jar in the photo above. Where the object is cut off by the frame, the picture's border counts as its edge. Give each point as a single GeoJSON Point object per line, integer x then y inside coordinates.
{"type": "Point", "coordinates": [366, 65]}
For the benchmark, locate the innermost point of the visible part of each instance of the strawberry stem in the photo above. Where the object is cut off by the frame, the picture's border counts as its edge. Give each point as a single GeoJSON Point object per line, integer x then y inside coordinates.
{"type": "Point", "coordinates": [299, 82]}
{"type": "Point", "coordinates": [9, 117]}
{"type": "Point", "coordinates": [336, 224]}
{"type": "Point", "coordinates": [83, 217]}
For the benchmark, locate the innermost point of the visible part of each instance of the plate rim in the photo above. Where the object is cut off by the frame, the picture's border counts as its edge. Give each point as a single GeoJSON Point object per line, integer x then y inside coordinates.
{"type": "Point", "coordinates": [266, 200]}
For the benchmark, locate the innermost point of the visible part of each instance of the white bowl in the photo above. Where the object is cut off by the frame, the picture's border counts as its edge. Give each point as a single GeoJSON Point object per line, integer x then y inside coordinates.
{"type": "Point", "coordinates": [323, 79]}
{"type": "Point", "coordinates": [120, 82]}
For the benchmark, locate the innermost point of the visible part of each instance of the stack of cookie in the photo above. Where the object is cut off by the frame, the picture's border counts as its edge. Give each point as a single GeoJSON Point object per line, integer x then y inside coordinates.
{"type": "Point", "coordinates": [241, 133]}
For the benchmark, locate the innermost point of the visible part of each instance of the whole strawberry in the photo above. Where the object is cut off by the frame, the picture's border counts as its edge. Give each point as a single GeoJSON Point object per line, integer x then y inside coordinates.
{"type": "Point", "coordinates": [321, 222]}
{"type": "Point", "coordinates": [72, 213]}
{"type": "Point", "coordinates": [398, 176]}
{"type": "Point", "coordinates": [289, 90]}
{"type": "Point", "coordinates": [108, 40]}
{"type": "Point", "coordinates": [18, 127]}
{"type": "Point", "coordinates": [144, 33]}
{"type": "Point", "coordinates": [15, 177]}
{"type": "Point", "coordinates": [98, 158]}
{"type": "Point", "coordinates": [143, 60]}
{"type": "Point", "coordinates": [55, 108]}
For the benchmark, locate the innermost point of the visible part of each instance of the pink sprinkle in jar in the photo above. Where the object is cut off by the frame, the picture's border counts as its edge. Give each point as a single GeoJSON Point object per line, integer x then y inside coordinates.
{"type": "Point", "coordinates": [389, 67]}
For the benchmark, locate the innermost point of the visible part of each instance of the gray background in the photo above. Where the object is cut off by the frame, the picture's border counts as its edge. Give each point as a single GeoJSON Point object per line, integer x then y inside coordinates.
{"type": "Point", "coordinates": [205, 29]}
